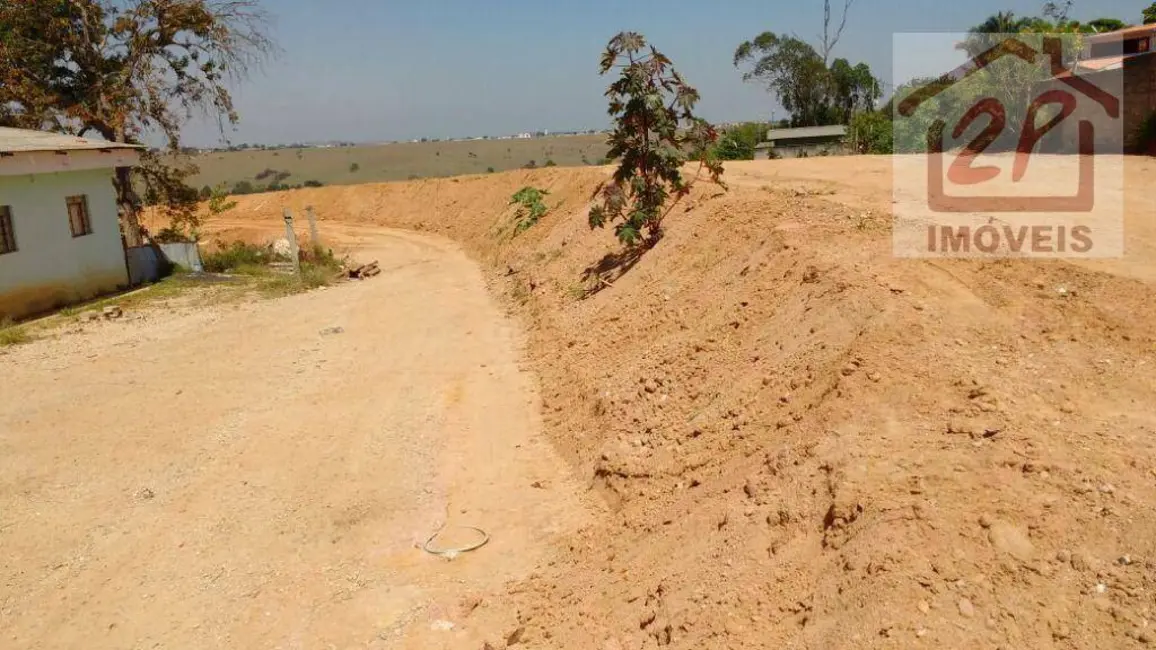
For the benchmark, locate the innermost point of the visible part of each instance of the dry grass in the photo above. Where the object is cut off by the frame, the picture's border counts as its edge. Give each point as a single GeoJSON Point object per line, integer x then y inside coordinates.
{"type": "Point", "coordinates": [11, 334]}
{"type": "Point", "coordinates": [400, 161]}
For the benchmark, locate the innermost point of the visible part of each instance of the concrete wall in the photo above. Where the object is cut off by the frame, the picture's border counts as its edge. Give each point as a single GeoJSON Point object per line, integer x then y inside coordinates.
{"type": "Point", "coordinates": [802, 149]}
{"type": "Point", "coordinates": [51, 267]}
{"type": "Point", "coordinates": [184, 254]}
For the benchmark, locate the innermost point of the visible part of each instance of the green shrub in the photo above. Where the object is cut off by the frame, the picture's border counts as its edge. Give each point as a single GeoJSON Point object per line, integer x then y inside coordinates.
{"type": "Point", "coordinates": [237, 255]}
{"type": "Point", "coordinates": [550, 163]}
{"type": "Point", "coordinates": [243, 187]}
{"type": "Point", "coordinates": [316, 275]}
{"type": "Point", "coordinates": [319, 256]}
{"type": "Point", "coordinates": [739, 142]}
{"type": "Point", "coordinates": [870, 133]}
{"type": "Point", "coordinates": [530, 207]}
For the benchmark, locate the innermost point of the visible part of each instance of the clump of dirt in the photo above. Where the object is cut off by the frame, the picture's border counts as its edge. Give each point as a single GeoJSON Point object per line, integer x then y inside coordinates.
{"type": "Point", "coordinates": [806, 441]}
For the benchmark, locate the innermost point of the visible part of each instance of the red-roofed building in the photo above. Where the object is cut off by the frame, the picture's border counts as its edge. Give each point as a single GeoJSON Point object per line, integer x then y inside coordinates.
{"type": "Point", "coordinates": [1129, 53]}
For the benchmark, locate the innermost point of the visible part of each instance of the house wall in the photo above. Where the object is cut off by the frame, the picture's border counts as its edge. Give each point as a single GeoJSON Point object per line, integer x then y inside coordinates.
{"type": "Point", "coordinates": [50, 267]}
{"type": "Point", "coordinates": [803, 148]}
{"type": "Point", "coordinates": [1139, 92]}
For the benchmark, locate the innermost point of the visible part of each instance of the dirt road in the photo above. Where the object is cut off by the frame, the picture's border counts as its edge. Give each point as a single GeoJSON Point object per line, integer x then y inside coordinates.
{"type": "Point", "coordinates": [237, 477]}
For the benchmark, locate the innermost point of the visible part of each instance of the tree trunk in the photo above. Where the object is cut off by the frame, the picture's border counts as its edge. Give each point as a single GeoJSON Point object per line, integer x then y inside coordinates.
{"type": "Point", "coordinates": [128, 207]}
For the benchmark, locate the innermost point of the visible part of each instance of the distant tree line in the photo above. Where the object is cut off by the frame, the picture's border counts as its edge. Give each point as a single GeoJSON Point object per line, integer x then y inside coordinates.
{"type": "Point", "coordinates": [248, 187]}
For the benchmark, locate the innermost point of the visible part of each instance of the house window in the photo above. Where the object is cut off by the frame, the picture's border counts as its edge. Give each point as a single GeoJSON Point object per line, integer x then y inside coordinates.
{"type": "Point", "coordinates": [7, 236]}
{"type": "Point", "coordinates": [78, 219]}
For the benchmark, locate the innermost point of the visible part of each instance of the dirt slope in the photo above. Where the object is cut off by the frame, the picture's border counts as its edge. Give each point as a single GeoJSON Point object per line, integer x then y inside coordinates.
{"type": "Point", "coordinates": [806, 442]}
{"type": "Point", "coordinates": [239, 477]}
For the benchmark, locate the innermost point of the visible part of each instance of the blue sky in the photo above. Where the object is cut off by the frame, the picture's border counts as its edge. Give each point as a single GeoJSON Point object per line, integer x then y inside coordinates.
{"type": "Point", "coordinates": [375, 70]}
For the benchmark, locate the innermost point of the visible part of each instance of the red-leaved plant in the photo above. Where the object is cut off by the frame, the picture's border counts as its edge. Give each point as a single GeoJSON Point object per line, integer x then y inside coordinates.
{"type": "Point", "coordinates": [656, 133]}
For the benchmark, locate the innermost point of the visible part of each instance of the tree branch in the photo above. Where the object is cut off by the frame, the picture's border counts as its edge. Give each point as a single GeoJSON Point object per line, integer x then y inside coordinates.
{"type": "Point", "coordinates": [830, 41]}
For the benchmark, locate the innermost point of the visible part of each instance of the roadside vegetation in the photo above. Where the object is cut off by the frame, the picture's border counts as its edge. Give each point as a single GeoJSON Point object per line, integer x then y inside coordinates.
{"type": "Point", "coordinates": [656, 132]}
{"type": "Point", "coordinates": [12, 334]}
{"type": "Point", "coordinates": [272, 272]}
{"type": "Point", "coordinates": [531, 208]}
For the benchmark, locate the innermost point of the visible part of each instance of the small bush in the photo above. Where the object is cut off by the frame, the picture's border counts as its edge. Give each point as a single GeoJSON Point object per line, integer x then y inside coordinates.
{"type": "Point", "coordinates": [314, 275]}
{"type": "Point", "coordinates": [319, 256]}
{"type": "Point", "coordinates": [354, 168]}
{"type": "Point", "coordinates": [238, 254]}
{"type": "Point", "coordinates": [655, 134]}
{"type": "Point", "coordinates": [870, 133]}
{"type": "Point", "coordinates": [12, 335]}
{"type": "Point", "coordinates": [550, 163]}
{"type": "Point", "coordinates": [533, 164]}
{"type": "Point", "coordinates": [531, 208]}
{"type": "Point", "coordinates": [739, 142]}
{"type": "Point", "coordinates": [489, 170]}
{"type": "Point", "coordinates": [312, 183]}
{"type": "Point", "coordinates": [243, 187]}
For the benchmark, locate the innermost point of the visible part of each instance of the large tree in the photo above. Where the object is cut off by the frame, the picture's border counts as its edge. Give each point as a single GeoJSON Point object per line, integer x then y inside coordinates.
{"type": "Point", "coordinates": [798, 74]}
{"type": "Point", "coordinates": [128, 71]}
{"type": "Point", "coordinates": [1149, 14]}
{"type": "Point", "coordinates": [853, 88]}
{"type": "Point", "coordinates": [813, 93]}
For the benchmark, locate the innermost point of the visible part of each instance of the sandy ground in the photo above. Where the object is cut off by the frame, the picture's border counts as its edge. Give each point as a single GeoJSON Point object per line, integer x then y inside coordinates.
{"type": "Point", "coordinates": [237, 478]}
{"type": "Point", "coordinates": [772, 433]}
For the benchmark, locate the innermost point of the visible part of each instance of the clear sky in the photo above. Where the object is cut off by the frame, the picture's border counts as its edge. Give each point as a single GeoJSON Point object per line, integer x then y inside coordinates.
{"type": "Point", "coordinates": [375, 70]}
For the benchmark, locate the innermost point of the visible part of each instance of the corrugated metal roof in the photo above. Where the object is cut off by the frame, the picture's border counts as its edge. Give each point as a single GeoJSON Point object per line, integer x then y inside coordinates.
{"type": "Point", "coordinates": [24, 140]}
{"type": "Point", "coordinates": [833, 131]}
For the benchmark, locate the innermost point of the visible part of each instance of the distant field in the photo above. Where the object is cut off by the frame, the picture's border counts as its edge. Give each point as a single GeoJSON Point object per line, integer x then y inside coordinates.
{"type": "Point", "coordinates": [396, 161]}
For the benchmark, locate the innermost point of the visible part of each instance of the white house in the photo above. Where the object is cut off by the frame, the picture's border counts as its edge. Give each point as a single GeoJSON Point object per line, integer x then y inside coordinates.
{"type": "Point", "coordinates": [60, 238]}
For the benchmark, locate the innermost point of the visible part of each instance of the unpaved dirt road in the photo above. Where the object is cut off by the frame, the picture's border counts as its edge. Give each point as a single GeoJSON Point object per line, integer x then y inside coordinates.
{"type": "Point", "coordinates": [232, 477]}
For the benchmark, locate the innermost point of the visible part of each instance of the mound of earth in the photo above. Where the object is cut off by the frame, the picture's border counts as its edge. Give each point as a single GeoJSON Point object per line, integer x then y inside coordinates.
{"type": "Point", "coordinates": [803, 441]}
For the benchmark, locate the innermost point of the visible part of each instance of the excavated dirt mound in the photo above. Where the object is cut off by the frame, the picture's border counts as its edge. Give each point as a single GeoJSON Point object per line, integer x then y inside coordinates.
{"type": "Point", "coordinates": [804, 441]}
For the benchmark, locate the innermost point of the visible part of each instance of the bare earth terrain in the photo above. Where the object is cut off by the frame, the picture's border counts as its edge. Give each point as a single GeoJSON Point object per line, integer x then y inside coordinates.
{"type": "Point", "coordinates": [768, 433]}
{"type": "Point", "coordinates": [237, 478]}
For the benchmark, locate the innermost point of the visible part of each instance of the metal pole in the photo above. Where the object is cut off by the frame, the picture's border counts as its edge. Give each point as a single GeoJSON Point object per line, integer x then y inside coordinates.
{"type": "Point", "coordinates": [292, 240]}
{"type": "Point", "coordinates": [313, 226]}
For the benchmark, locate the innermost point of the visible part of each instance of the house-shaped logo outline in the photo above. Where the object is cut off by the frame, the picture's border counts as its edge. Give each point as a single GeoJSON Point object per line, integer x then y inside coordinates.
{"type": "Point", "coordinates": [1085, 198]}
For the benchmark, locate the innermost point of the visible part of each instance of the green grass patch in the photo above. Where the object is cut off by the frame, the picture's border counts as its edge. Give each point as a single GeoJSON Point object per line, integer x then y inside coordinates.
{"type": "Point", "coordinates": [238, 255]}
{"type": "Point", "coordinates": [312, 276]}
